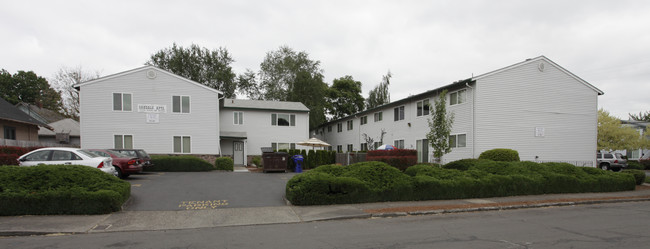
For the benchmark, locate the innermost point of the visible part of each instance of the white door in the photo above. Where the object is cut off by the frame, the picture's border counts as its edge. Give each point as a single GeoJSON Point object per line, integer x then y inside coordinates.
{"type": "Point", "coordinates": [422, 146]}
{"type": "Point", "coordinates": [238, 153]}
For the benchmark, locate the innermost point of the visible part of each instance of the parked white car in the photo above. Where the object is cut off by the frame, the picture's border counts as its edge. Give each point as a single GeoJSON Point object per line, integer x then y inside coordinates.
{"type": "Point", "coordinates": [67, 156]}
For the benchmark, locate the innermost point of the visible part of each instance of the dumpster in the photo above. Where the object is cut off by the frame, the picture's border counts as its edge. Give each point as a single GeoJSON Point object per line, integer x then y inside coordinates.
{"type": "Point", "coordinates": [298, 160]}
{"type": "Point", "coordinates": [275, 161]}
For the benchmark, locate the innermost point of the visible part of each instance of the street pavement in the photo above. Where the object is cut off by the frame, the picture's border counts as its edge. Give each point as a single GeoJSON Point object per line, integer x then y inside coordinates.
{"type": "Point", "coordinates": [187, 211]}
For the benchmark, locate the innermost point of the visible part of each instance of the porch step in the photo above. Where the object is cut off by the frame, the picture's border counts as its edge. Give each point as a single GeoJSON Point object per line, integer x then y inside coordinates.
{"type": "Point", "coordinates": [240, 169]}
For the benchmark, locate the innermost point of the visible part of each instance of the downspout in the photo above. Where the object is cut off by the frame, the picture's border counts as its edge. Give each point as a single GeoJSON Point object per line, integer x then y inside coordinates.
{"type": "Point", "coordinates": [473, 125]}
{"type": "Point", "coordinates": [219, 122]}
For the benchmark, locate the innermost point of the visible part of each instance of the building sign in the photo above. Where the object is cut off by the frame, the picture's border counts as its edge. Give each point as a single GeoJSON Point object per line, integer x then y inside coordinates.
{"type": "Point", "coordinates": [539, 131]}
{"type": "Point", "coordinates": [153, 118]}
{"type": "Point", "coordinates": [150, 108]}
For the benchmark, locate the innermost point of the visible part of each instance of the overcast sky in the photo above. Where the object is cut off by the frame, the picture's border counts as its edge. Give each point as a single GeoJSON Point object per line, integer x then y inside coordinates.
{"type": "Point", "coordinates": [424, 44]}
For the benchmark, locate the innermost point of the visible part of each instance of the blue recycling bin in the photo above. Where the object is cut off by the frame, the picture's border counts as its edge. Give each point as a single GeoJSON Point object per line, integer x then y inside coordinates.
{"type": "Point", "coordinates": [298, 160]}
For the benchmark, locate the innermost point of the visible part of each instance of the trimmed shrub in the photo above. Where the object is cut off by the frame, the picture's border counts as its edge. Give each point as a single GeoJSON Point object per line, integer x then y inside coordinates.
{"type": "Point", "coordinates": [645, 164]}
{"type": "Point", "coordinates": [506, 155]}
{"type": "Point", "coordinates": [463, 164]}
{"type": "Point", "coordinates": [317, 188]}
{"type": "Point", "coordinates": [398, 158]}
{"type": "Point", "coordinates": [60, 189]}
{"type": "Point", "coordinates": [179, 164]}
{"type": "Point", "coordinates": [639, 175]}
{"type": "Point", "coordinates": [224, 163]}
{"type": "Point", "coordinates": [9, 154]}
{"type": "Point", "coordinates": [257, 160]}
{"type": "Point", "coordinates": [386, 182]}
{"type": "Point", "coordinates": [633, 164]}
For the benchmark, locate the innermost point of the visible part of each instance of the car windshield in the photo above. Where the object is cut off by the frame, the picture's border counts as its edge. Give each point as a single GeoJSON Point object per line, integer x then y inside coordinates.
{"type": "Point", "coordinates": [144, 154]}
{"type": "Point", "coordinates": [88, 153]}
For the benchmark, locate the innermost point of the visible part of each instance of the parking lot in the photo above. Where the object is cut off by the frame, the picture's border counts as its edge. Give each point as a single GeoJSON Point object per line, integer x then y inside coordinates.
{"type": "Point", "coordinates": [168, 191]}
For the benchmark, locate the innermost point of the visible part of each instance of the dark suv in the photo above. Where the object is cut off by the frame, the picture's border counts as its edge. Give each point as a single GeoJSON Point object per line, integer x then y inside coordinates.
{"type": "Point", "coordinates": [139, 153]}
{"type": "Point", "coordinates": [613, 161]}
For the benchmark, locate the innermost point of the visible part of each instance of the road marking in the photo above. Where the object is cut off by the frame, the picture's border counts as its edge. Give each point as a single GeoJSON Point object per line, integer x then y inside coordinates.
{"type": "Point", "coordinates": [136, 185]}
{"type": "Point", "coordinates": [198, 205]}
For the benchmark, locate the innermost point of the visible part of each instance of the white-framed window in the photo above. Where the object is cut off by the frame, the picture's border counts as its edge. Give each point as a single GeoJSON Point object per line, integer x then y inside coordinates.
{"type": "Point", "coordinates": [339, 148]}
{"type": "Point", "coordinates": [364, 120]}
{"type": "Point", "coordinates": [10, 133]}
{"type": "Point", "coordinates": [458, 97]}
{"type": "Point", "coordinates": [339, 127]}
{"type": "Point", "coordinates": [458, 140]}
{"type": "Point", "coordinates": [350, 124]}
{"type": "Point", "coordinates": [283, 119]}
{"type": "Point", "coordinates": [180, 104]}
{"type": "Point", "coordinates": [182, 144]}
{"type": "Point", "coordinates": [399, 144]}
{"type": "Point", "coordinates": [283, 146]}
{"type": "Point", "coordinates": [378, 116]}
{"type": "Point", "coordinates": [350, 148]}
{"type": "Point", "coordinates": [329, 128]}
{"type": "Point", "coordinates": [422, 108]}
{"type": "Point", "coordinates": [376, 145]}
{"type": "Point", "coordinates": [238, 118]}
{"type": "Point", "coordinates": [364, 146]}
{"type": "Point", "coordinates": [122, 102]}
{"type": "Point", "coordinates": [399, 113]}
{"type": "Point", "coordinates": [123, 141]}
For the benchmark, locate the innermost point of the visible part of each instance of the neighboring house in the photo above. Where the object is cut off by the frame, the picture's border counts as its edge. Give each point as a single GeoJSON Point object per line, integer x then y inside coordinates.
{"type": "Point", "coordinates": [65, 131]}
{"type": "Point", "coordinates": [640, 126]}
{"type": "Point", "coordinates": [39, 113]}
{"type": "Point", "coordinates": [248, 125]}
{"type": "Point", "coordinates": [163, 113]}
{"type": "Point", "coordinates": [18, 128]}
{"type": "Point", "coordinates": [536, 107]}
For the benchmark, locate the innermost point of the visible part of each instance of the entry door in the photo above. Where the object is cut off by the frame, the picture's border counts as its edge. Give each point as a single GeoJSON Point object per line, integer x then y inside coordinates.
{"type": "Point", "coordinates": [238, 154]}
{"type": "Point", "coordinates": [422, 146]}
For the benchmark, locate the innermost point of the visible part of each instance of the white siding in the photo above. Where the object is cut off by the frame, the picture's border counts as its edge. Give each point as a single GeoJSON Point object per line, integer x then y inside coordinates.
{"type": "Point", "coordinates": [99, 122]}
{"type": "Point", "coordinates": [511, 104]}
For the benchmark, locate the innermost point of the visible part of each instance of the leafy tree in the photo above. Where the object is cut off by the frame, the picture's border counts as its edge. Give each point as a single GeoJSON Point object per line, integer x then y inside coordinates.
{"type": "Point", "coordinates": [29, 88]}
{"type": "Point", "coordinates": [344, 97]}
{"type": "Point", "coordinates": [64, 80]}
{"type": "Point", "coordinates": [209, 67]}
{"type": "Point", "coordinates": [379, 95]}
{"type": "Point", "coordinates": [247, 85]}
{"type": "Point", "coordinates": [613, 136]}
{"type": "Point", "coordinates": [310, 91]}
{"type": "Point", "coordinates": [440, 127]}
{"type": "Point", "coordinates": [641, 117]}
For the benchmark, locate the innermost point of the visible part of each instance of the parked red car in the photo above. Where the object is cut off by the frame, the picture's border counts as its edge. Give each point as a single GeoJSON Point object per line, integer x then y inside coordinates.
{"type": "Point", "coordinates": [124, 165]}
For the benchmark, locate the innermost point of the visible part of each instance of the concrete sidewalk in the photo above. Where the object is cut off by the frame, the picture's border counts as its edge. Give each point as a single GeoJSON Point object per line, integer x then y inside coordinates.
{"type": "Point", "coordinates": [221, 217]}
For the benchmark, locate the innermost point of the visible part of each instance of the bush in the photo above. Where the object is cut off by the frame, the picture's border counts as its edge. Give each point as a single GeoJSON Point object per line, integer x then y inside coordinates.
{"type": "Point", "coordinates": [179, 164]}
{"type": "Point", "coordinates": [639, 175]}
{"type": "Point", "coordinates": [257, 160]}
{"type": "Point", "coordinates": [398, 158]}
{"type": "Point", "coordinates": [633, 164]}
{"type": "Point", "coordinates": [224, 163]}
{"type": "Point", "coordinates": [506, 155]}
{"type": "Point", "coordinates": [60, 189]}
{"type": "Point", "coordinates": [645, 164]}
{"type": "Point", "coordinates": [463, 164]}
{"type": "Point", "coordinates": [9, 154]}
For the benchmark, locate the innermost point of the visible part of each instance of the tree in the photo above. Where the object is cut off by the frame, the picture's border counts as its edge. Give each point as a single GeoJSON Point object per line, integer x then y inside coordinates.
{"type": "Point", "coordinates": [64, 81]}
{"type": "Point", "coordinates": [344, 97]}
{"type": "Point", "coordinates": [440, 127]}
{"type": "Point", "coordinates": [613, 136]}
{"type": "Point", "coordinates": [247, 85]}
{"type": "Point", "coordinates": [209, 67]}
{"type": "Point", "coordinates": [310, 90]}
{"type": "Point", "coordinates": [29, 88]}
{"type": "Point", "coordinates": [379, 95]}
{"type": "Point", "coordinates": [641, 117]}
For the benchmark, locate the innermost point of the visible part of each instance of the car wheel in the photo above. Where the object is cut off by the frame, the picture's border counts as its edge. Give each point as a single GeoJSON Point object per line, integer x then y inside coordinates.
{"type": "Point", "coordinates": [604, 166]}
{"type": "Point", "coordinates": [616, 169]}
{"type": "Point", "coordinates": [118, 172]}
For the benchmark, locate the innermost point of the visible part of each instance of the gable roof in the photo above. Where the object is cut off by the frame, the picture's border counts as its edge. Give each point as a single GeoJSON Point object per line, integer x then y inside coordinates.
{"type": "Point", "coordinates": [12, 113]}
{"type": "Point", "coordinates": [67, 125]}
{"type": "Point", "coordinates": [39, 113]}
{"type": "Point", "coordinates": [140, 69]}
{"type": "Point", "coordinates": [265, 105]}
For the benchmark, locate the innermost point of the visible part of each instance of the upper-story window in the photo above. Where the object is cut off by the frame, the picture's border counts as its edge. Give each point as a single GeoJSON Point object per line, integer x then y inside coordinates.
{"type": "Point", "coordinates": [329, 128]}
{"type": "Point", "coordinates": [399, 113]}
{"type": "Point", "coordinates": [238, 118]}
{"type": "Point", "coordinates": [122, 102]}
{"type": "Point", "coordinates": [458, 97]}
{"type": "Point", "coordinates": [423, 108]}
{"type": "Point", "coordinates": [364, 120]}
{"type": "Point", "coordinates": [281, 119]}
{"type": "Point", "coordinates": [378, 116]}
{"type": "Point", "coordinates": [181, 104]}
{"type": "Point", "coordinates": [339, 127]}
{"type": "Point", "coordinates": [350, 124]}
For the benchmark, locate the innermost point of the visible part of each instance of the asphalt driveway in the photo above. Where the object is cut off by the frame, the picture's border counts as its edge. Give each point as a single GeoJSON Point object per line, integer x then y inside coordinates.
{"type": "Point", "coordinates": [168, 191]}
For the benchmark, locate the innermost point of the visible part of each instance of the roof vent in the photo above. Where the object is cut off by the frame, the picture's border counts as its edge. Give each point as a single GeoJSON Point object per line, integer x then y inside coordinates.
{"type": "Point", "coordinates": [151, 74]}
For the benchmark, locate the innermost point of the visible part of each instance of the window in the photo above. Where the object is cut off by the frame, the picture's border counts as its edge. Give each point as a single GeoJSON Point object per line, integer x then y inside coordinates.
{"type": "Point", "coordinates": [329, 128]}
{"type": "Point", "coordinates": [10, 133]}
{"type": "Point", "coordinates": [339, 148]}
{"type": "Point", "coordinates": [339, 127]}
{"type": "Point", "coordinates": [423, 108]}
{"type": "Point", "coordinates": [364, 120]}
{"type": "Point", "coordinates": [364, 147]}
{"type": "Point", "coordinates": [283, 146]}
{"type": "Point", "coordinates": [123, 141]}
{"type": "Point", "coordinates": [378, 116]}
{"type": "Point", "coordinates": [399, 144]}
{"type": "Point", "coordinates": [62, 155]}
{"type": "Point", "coordinates": [43, 155]}
{"type": "Point", "coordinates": [122, 102]}
{"type": "Point", "coordinates": [458, 141]}
{"type": "Point", "coordinates": [399, 113]}
{"type": "Point", "coordinates": [281, 119]}
{"type": "Point", "coordinates": [182, 144]}
{"type": "Point", "coordinates": [181, 104]}
{"type": "Point", "coordinates": [457, 97]}
{"type": "Point", "coordinates": [238, 118]}
{"type": "Point", "coordinates": [376, 145]}
{"type": "Point", "coordinates": [350, 148]}
{"type": "Point", "coordinates": [350, 124]}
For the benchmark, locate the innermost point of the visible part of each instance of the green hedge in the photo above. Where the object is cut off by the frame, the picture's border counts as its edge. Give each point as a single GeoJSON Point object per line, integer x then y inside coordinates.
{"type": "Point", "coordinates": [376, 181]}
{"type": "Point", "coordinates": [634, 164]}
{"type": "Point", "coordinates": [60, 189]}
{"type": "Point", "coordinates": [179, 164]}
{"type": "Point", "coordinates": [506, 155]}
{"type": "Point", "coordinates": [639, 175]}
{"type": "Point", "coordinates": [398, 158]}
{"type": "Point", "coordinates": [224, 163]}
{"type": "Point", "coordinates": [311, 158]}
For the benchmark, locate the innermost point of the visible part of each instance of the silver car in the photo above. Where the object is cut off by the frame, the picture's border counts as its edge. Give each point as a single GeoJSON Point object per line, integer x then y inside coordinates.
{"type": "Point", "coordinates": [611, 161]}
{"type": "Point", "coordinates": [67, 156]}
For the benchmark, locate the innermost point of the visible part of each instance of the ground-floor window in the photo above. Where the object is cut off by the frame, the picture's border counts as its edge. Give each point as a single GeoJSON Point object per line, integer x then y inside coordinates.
{"type": "Point", "coordinates": [350, 148]}
{"type": "Point", "coordinates": [399, 144]}
{"type": "Point", "coordinates": [182, 144]}
{"type": "Point", "coordinates": [283, 146]}
{"type": "Point", "coordinates": [364, 147]}
{"type": "Point", "coordinates": [458, 140]}
{"type": "Point", "coordinates": [123, 141]}
{"type": "Point", "coordinates": [10, 133]}
{"type": "Point", "coordinates": [339, 148]}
